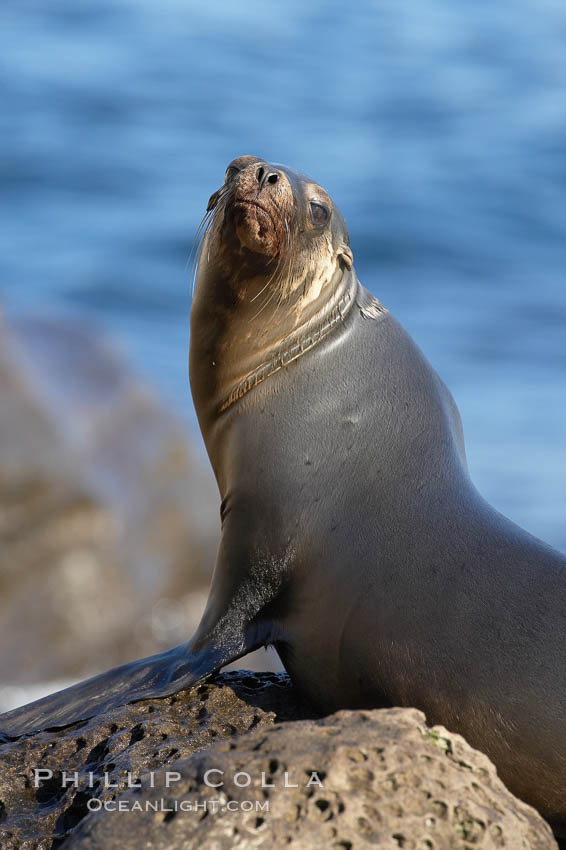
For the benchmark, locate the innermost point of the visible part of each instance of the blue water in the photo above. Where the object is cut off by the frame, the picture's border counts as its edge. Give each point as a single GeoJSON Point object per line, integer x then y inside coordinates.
{"type": "Point", "coordinates": [439, 128]}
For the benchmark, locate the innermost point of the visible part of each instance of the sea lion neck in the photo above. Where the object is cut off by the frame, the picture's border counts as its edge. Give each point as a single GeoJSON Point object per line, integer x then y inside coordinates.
{"type": "Point", "coordinates": [232, 350]}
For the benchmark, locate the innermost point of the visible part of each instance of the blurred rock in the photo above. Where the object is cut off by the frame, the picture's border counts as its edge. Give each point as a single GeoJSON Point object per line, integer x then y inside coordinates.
{"type": "Point", "coordinates": [108, 521]}
{"type": "Point", "coordinates": [387, 779]}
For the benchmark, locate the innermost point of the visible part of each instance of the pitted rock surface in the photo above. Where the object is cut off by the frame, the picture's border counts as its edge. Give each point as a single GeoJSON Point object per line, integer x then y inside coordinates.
{"type": "Point", "coordinates": [138, 739]}
{"type": "Point", "coordinates": [387, 779]}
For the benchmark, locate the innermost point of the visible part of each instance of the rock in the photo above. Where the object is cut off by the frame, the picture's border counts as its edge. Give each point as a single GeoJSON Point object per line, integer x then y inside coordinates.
{"type": "Point", "coordinates": [357, 779]}
{"type": "Point", "coordinates": [137, 738]}
{"type": "Point", "coordinates": [108, 521]}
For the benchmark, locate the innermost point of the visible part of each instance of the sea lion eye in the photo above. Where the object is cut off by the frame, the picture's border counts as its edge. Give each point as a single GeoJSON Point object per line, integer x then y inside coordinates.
{"type": "Point", "coordinates": [319, 213]}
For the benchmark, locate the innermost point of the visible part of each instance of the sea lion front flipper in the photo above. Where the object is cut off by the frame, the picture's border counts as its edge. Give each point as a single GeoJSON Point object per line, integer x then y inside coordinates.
{"type": "Point", "coordinates": [157, 675]}
{"type": "Point", "coordinates": [152, 677]}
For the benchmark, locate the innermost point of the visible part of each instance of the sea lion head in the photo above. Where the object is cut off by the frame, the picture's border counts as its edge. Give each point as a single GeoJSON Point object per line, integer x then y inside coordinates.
{"type": "Point", "coordinates": [274, 227]}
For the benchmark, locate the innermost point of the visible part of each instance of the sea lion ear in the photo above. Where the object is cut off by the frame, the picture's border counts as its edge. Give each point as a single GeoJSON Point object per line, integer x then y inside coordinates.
{"type": "Point", "coordinates": [345, 256]}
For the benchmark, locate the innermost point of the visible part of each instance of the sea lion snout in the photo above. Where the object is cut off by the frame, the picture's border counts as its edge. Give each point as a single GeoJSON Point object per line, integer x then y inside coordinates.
{"type": "Point", "coordinates": [258, 207]}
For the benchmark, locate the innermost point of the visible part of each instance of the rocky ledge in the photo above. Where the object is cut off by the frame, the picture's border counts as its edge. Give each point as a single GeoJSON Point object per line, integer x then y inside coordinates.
{"type": "Point", "coordinates": [239, 762]}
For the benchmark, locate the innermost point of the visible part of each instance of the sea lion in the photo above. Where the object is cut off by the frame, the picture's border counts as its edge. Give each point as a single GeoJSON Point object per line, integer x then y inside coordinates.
{"type": "Point", "coordinates": [353, 539]}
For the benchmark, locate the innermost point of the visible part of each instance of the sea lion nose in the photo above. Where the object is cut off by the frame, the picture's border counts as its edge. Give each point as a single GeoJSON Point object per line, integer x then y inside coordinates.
{"type": "Point", "coordinates": [264, 175]}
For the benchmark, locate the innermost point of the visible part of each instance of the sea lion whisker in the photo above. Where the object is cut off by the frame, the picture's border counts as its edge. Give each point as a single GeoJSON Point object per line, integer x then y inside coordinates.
{"type": "Point", "coordinates": [286, 260]}
{"type": "Point", "coordinates": [203, 223]}
{"type": "Point", "coordinates": [274, 279]}
{"type": "Point", "coordinates": [213, 210]}
{"type": "Point", "coordinates": [269, 280]}
{"type": "Point", "coordinates": [271, 294]}
{"type": "Point", "coordinates": [200, 236]}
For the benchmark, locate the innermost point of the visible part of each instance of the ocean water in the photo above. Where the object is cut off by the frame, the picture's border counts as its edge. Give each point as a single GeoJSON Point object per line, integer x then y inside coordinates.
{"type": "Point", "coordinates": [438, 128]}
